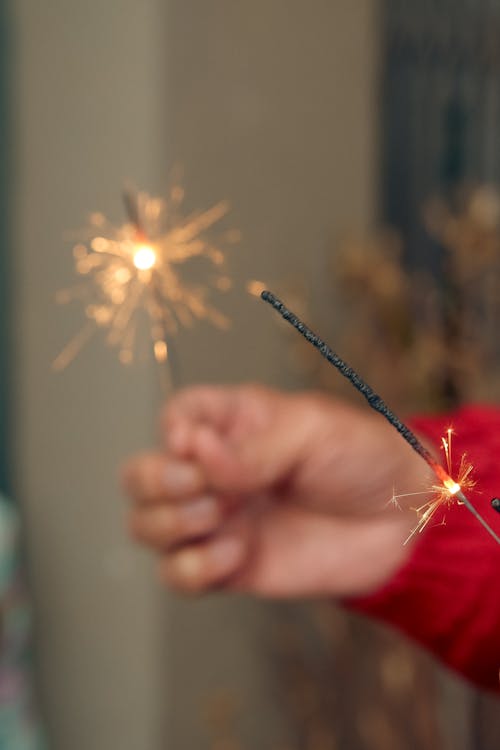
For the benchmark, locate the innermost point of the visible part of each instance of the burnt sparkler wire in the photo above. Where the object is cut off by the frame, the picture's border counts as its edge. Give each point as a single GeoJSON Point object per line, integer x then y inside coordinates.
{"type": "Point", "coordinates": [376, 403]}
{"type": "Point", "coordinates": [168, 372]}
{"type": "Point", "coordinates": [131, 204]}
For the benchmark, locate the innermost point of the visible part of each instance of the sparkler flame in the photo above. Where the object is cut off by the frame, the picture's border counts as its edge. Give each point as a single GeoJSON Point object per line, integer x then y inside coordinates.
{"type": "Point", "coordinates": [446, 494]}
{"type": "Point", "coordinates": [136, 267]}
{"type": "Point", "coordinates": [144, 258]}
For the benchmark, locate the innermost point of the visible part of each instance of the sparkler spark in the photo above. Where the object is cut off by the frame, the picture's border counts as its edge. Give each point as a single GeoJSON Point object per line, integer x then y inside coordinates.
{"type": "Point", "coordinates": [445, 494]}
{"type": "Point", "coordinates": [448, 490]}
{"type": "Point", "coordinates": [136, 267]}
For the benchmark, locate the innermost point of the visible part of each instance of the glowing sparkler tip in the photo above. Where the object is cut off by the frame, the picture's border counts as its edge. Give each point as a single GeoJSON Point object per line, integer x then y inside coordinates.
{"type": "Point", "coordinates": [256, 288]}
{"type": "Point", "coordinates": [144, 258]}
{"type": "Point", "coordinates": [452, 487]}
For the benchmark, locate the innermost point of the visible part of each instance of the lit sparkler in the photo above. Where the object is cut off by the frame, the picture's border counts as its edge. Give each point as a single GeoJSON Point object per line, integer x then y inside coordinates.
{"type": "Point", "coordinates": [136, 267]}
{"type": "Point", "coordinates": [448, 490]}
{"type": "Point", "coordinates": [444, 495]}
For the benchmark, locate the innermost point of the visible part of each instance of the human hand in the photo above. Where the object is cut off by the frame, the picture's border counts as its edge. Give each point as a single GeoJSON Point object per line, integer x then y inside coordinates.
{"type": "Point", "coordinates": [276, 494]}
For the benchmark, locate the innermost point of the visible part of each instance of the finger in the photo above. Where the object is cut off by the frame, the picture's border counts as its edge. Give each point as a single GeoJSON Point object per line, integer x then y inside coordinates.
{"type": "Point", "coordinates": [166, 525]}
{"type": "Point", "coordinates": [153, 478]}
{"type": "Point", "coordinates": [207, 565]}
{"type": "Point", "coordinates": [255, 463]}
{"type": "Point", "coordinates": [193, 406]}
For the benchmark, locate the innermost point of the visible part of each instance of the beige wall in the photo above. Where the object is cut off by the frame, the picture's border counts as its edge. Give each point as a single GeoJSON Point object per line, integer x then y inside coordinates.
{"type": "Point", "coordinates": [90, 113]}
{"type": "Point", "coordinates": [268, 103]}
{"type": "Point", "coordinates": [272, 104]}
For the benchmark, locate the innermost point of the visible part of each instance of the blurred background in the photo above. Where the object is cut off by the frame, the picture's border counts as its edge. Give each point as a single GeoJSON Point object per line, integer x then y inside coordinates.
{"type": "Point", "coordinates": [357, 143]}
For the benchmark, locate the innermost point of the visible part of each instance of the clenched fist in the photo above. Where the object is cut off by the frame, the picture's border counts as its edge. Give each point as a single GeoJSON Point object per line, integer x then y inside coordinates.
{"type": "Point", "coordinates": [276, 494]}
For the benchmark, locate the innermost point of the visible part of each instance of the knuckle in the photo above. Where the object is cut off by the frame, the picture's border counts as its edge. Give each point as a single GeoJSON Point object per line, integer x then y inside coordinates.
{"type": "Point", "coordinates": [256, 390]}
{"type": "Point", "coordinates": [171, 527]}
{"type": "Point", "coordinates": [183, 582]}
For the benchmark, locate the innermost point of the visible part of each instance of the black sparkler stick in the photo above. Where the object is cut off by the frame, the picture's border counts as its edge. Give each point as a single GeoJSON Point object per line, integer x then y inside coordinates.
{"type": "Point", "coordinates": [374, 400]}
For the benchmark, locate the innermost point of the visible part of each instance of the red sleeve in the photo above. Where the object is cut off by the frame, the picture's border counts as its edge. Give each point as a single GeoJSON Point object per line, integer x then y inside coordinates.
{"type": "Point", "coordinates": [446, 596]}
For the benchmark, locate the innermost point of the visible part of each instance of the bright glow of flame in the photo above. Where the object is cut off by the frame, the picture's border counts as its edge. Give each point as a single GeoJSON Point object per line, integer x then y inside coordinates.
{"type": "Point", "coordinates": [144, 258]}
{"type": "Point", "coordinates": [452, 486]}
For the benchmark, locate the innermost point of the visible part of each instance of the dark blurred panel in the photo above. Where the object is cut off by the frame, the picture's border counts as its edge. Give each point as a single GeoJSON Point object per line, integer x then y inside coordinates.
{"type": "Point", "coordinates": [4, 243]}
{"type": "Point", "coordinates": [441, 112]}
{"type": "Point", "coordinates": [441, 126]}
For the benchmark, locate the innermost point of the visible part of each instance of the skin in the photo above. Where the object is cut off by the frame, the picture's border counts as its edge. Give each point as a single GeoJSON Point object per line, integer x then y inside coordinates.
{"type": "Point", "coordinates": [279, 495]}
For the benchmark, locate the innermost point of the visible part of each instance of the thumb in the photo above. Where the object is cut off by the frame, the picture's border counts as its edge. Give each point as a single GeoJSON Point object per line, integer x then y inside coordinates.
{"type": "Point", "coordinates": [254, 463]}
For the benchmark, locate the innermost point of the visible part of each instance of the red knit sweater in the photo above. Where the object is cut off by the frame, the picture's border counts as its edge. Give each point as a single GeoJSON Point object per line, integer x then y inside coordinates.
{"type": "Point", "coordinates": [446, 596]}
